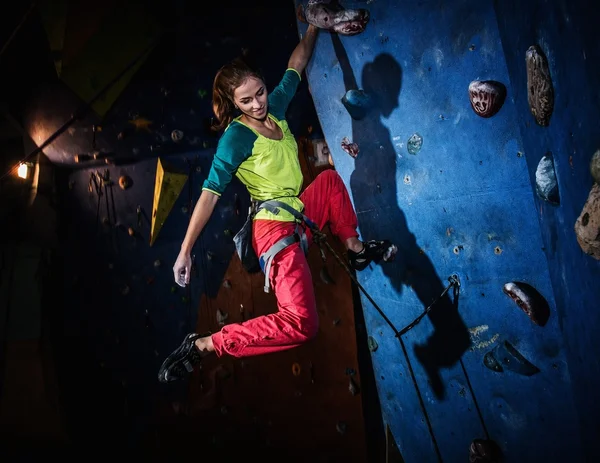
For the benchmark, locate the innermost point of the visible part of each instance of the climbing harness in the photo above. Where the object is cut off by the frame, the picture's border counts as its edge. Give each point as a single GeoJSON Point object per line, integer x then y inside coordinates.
{"type": "Point", "coordinates": [266, 259]}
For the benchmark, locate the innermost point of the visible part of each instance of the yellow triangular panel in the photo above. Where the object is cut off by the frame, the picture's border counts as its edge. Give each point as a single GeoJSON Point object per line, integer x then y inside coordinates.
{"type": "Point", "coordinates": [167, 187]}
{"type": "Point", "coordinates": [54, 19]}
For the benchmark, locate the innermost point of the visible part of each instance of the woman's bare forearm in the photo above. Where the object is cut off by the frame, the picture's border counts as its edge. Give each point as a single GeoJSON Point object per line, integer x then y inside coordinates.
{"type": "Point", "coordinates": [303, 51]}
{"type": "Point", "coordinates": [202, 212]}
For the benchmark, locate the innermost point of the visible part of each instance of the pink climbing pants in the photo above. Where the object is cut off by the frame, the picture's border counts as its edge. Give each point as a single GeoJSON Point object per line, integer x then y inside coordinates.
{"type": "Point", "coordinates": [326, 201]}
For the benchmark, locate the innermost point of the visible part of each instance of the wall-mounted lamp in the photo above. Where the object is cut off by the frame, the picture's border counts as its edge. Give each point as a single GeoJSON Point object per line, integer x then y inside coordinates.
{"type": "Point", "coordinates": [23, 170]}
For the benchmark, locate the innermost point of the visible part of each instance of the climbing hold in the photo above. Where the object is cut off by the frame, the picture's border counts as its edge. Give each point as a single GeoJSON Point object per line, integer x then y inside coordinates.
{"type": "Point", "coordinates": [176, 135]}
{"type": "Point", "coordinates": [595, 166]}
{"type": "Point", "coordinates": [505, 357]}
{"type": "Point", "coordinates": [336, 322]}
{"type": "Point", "coordinates": [227, 284]}
{"type": "Point", "coordinates": [202, 93]}
{"type": "Point", "coordinates": [487, 97]}
{"type": "Point", "coordinates": [484, 451]}
{"type": "Point", "coordinates": [357, 103]}
{"type": "Point", "coordinates": [414, 143]}
{"type": "Point", "coordinates": [227, 232]}
{"type": "Point", "coordinates": [588, 224]}
{"type": "Point", "coordinates": [141, 124]}
{"type": "Point", "coordinates": [131, 231]}
{"type": "Point", "coordinates": [296, 369]}
{"type": "Point", "coordinates": [540, 91]}
{"type": "Point", "coordinates": [124, 290]}
{"type": "Point", "coordinates": [125, 182]}
{"type": "Point", "coordinates": [341, 427]}
{"type": "Point", "coordinates": [350, 148]}
{"type": "Point", "coordinates": [372, 344]}
{"type": "Point", "coordinates": [157, 263]}
{"type": "Point", "coordinates": [353, 387]}
{"type": "Point", "coordinates": [325, 277]}
{"type": "Point", "coordinates": [493, 364]}
{"type": "Point", "coordinates": [221, 317]}
{"type": "Point", "coordinates": [330, 15]}
{"type": "Point", "coordinates": [529, 300]}
{"type": "Point", "coordinates": [546, 184]}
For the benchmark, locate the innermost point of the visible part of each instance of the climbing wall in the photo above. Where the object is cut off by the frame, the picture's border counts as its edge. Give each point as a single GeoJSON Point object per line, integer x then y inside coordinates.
{"type": "Point", "coordinates": [438, 166]}
{"type": "Point", "coordinates": [564, 38]}
{"type": "Point", "coordinates": [121, 293]}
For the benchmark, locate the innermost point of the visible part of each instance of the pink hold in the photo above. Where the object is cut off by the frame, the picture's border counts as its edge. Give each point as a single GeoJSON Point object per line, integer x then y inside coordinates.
{"type": "Point", "coordinates": [350, 148]}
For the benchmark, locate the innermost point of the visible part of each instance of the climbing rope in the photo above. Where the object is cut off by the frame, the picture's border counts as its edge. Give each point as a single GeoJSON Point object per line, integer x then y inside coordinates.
{"type": "Point", "coordinates": [321, 239]}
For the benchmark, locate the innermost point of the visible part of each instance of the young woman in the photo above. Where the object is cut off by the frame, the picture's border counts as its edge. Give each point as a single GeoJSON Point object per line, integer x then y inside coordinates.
{"type": "Point", "coordinates": [258, 147]}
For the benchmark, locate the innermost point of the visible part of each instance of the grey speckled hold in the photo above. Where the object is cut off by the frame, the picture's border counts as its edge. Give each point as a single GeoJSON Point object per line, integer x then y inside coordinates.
{"type": "Point", "coordinates": [414, 144]}
{"type": "Point", "coordinates": [546, 184]}
{"type": "Point", "coordinates": [595, 166]}
{"type": "Point", "coordinates": [540, 91]}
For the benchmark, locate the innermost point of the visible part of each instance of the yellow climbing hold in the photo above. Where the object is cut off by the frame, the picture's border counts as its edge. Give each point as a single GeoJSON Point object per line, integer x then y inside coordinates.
{"type": "Point", "coordinates": [167, 188]}
{"type": "Point", "coordinates": [141, 123]}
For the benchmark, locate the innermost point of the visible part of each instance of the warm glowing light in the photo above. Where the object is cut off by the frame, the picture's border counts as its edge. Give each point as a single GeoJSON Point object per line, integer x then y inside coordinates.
{"type": "Point", "coordinates": [22, 171]}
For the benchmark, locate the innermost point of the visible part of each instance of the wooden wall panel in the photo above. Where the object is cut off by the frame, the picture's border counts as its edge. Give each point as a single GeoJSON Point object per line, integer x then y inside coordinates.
{"type": "Point", "coordinates": [257, 404]}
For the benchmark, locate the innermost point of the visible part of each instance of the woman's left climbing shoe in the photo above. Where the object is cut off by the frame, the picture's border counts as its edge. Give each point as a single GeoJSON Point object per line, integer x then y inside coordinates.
{"type": "Point", "coordinates": [372, 251]}
{"type": "Point", "coordinates": [181, 362]}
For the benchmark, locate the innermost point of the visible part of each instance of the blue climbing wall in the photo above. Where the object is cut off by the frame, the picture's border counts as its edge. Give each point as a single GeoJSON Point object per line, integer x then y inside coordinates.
{"type": "Point", "coordinates": [567, 32]}
{"type": "Point", "coordinates": [464, 205]}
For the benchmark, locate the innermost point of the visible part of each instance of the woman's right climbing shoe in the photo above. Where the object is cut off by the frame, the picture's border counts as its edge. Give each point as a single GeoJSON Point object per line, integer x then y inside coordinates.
{"type": "Point", "coordinates": [181, 362]}
{"type": "Point", "coordinates": [372, 251]}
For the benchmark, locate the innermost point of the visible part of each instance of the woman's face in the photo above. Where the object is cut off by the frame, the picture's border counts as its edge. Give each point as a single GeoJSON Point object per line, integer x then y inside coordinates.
{"type": "Point", "coordinates": [251, 98]}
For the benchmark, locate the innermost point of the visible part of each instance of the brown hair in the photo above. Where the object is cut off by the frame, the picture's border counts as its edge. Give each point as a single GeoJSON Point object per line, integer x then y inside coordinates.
{"type": "Point", "coordinates": [228, 78]}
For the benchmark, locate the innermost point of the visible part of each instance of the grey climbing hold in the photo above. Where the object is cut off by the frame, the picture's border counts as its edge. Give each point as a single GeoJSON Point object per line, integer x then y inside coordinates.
{"type": "Point", "coordinates": [325, 276]}
{"type": "Point", "coordinates": [505, 357]}
{"type": "Point", "coordinates": [331, 16]}
{"type": "Point", "coordinates": [373, 346]}
{"type": "Point", "coordinates": [595, 166]}
{"type": "Point", "coordinates": [221, 317]}
{"type": "Point", "coordinates": [414, 144]}
{"type": "Point", "coordinates": [176, 135]}
{"type": "Point", "coordinates": [341, 427]}
{"type": "Point", "coordinates": [484, 451]}
{"type": "Point", "coordinates": [546, 184]}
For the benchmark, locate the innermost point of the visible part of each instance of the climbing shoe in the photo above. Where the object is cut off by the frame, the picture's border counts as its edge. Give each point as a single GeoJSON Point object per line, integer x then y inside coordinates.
{"type": "Point", "coordinates": [182, 360]}
{"type": "Point", "coordinates": [372, 251]}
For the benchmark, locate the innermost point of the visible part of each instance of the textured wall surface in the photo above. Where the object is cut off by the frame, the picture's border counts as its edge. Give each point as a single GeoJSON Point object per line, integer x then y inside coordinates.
{"type": "Point", "coordinates": [465, 204]}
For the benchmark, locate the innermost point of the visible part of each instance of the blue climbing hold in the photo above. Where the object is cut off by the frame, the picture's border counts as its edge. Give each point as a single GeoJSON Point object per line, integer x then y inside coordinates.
{"type": "Point", "coordinates": [357, 103]}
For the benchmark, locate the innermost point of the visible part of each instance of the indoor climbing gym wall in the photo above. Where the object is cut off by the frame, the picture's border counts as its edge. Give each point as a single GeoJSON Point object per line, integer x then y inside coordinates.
{"type": "Point", "coordinates": [123, 111]}
{"type": "Point", "coordinates": [464, 133]}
